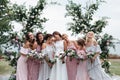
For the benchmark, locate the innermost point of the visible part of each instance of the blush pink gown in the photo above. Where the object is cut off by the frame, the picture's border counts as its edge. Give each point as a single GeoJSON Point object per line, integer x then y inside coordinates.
{"type": "Point", "coordinates": [82, 73]}
{"type": "Point", "coordinates": [21, 73]}
{"type": "Point", "coordinates": [71, 65]}
{"type": "Point", "coordinates": [33, 67]}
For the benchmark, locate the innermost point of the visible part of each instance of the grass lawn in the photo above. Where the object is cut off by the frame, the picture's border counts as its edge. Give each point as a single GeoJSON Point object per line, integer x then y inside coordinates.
{"type": "Point", "coordinates": [115, 66]}
{"type": "Point", "coordinates": [5, 68]}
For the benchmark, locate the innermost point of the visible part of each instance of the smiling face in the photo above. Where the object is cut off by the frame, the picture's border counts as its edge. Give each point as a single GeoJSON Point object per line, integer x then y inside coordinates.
{"type": "Point", "coordinates": [65, 37]}
{"type": "Point", "coordinates": [57, 37]}
{"type": "Point", "coordinates": [40, 37]}
{"type": "Point", "coordinates": [51, 39]}
{"type": "Point", "coordinates": [90, 35]}
{"type": "Point", "coordinates": [31, 36]}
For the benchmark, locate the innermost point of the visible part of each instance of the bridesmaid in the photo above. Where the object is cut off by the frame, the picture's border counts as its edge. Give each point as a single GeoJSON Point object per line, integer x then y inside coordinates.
{"type": "Point", "coordinates": [82, 73]}
{"type": "Point", "coordinates": [22, 72]}
{"type": "Point", "coordinates": [39, 39]}
{"type": "Point", "coordinates": [33, 64]}
{"type": "Point", "coordinates": [59, 70]}
{"type": "Point", "coordinates": [37, 64]}
{"type": "Point", "coordinates": [71, 65]}
{"type": "Point", "coordinates": [48, 51]}
{"type": "Point", "coordinates": [94, 65]}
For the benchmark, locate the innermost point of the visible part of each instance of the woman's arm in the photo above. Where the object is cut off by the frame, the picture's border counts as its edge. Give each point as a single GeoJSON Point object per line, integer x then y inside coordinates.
{"type": "Point", "coordinates": [65, 46]}
{"type": "Point", "coordinates": [75, 44]}
{"type": "Point", "coordinates": [98, 51]}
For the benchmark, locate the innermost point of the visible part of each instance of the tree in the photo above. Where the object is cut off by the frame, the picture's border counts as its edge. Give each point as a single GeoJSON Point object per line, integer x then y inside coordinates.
{"type": "Point", "coordinates": [5, 25]}
{"type": "Point", "coordinates": [31, 21]}
{"type": "Point", "coordinates": [82, 18]}
{"type": "Point", "coordinates": [105, 44]}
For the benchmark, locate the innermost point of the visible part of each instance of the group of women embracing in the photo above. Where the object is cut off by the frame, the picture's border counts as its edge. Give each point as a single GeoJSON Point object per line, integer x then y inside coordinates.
{"type": "Point", "coordinates": [65, 68]}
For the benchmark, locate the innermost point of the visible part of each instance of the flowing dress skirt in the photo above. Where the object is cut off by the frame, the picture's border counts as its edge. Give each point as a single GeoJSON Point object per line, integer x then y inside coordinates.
{"type": "Point", "coordinates": [71, 68]}
{"type": "Point", "coordinates": [33, 69]}
{"type": "Point", "coordinates": [59, 71]}
{"type": "Point", "coordinates": [22, 68]}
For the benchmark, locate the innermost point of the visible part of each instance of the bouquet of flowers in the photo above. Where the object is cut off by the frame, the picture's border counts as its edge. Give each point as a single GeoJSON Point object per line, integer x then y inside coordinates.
{"type": "Point", "coordinates": [72, 54]}
{"type": "Point", "coordinates": [81, 56]}
{"type": "Point", "coordinates": [52, 61]}
{"type": "Point", "coordinates": [61, 56]}
{"type": "Point", "coordinates": [90, 54]}
{"type": "Point", "coordinates": [34, 54]}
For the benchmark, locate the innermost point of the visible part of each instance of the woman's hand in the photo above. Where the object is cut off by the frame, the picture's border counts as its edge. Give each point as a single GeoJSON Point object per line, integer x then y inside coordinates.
{"type": "Point", "coordinates": [93, 59]}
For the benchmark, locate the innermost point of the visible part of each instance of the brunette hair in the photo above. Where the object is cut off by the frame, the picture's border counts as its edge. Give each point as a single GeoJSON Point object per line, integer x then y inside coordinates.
{"type": "Point", "coordinates": [38, 40]}
{"type": "Point", "coordinates": [27, 38]}
{"type": "Point", "coordinates": [48, 36]}
{"type": "Point", "coordinates": [81, 42]}
{"type": "Point", "coordinates": [57, 33]}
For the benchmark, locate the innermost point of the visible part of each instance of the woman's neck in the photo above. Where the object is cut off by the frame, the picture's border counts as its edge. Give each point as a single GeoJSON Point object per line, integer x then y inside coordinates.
{"type": "Point", "coordinates": [89, 42]}
{"type": "Point", "coordinates": [82, 48]}
{"type": "Point", "coordinates": [59, 39]}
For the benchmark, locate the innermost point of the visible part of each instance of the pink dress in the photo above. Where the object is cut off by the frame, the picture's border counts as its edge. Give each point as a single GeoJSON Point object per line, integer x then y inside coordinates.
{"type": "Point", "coordinates": [82, 73]}
{"type": "Point", "coordinates": [71, 65]}
{"type": "Point", "coordinates": [21, 73]}
{"type": "Point", "coordinates": [33, 68]}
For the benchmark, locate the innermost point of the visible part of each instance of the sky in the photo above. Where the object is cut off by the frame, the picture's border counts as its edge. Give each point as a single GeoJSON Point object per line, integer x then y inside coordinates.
{"type": "Point", "coordinates": [58, 22]}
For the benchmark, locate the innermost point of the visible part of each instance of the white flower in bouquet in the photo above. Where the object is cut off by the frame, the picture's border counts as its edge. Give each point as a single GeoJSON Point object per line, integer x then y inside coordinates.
{"type": "Point", "coordinates": [81, 56]}
{"type": "Point", "coordinates": [33, 51]}
{"type": "Point", "coordinates": [71, 52]}
{"type": "Point", "coordinates": [90, 54]}
{"type": "Point", "coordinates": [36, 52]}
{"type": "Point", "coordinates": [41, 56]}
{"type": "Point", "coordinates": [56, 55]}
{"type": "Point", "coordinates": [52, 61]}
{"type": "Point", "coordinates": [60, 56]}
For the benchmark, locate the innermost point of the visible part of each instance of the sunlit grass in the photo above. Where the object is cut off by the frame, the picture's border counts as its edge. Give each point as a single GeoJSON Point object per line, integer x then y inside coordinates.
{"type": "Point", "coordinates": [5, 68]}
{"type": "Point", "coordinates": [115, 66]}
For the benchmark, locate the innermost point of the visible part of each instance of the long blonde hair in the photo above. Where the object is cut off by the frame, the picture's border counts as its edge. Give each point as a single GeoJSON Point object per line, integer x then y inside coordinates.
{"type": "Point", "coordinates": [91, 39]}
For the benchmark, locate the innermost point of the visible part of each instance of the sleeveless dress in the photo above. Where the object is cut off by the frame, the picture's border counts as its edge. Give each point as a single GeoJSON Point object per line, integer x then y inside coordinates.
{"type": "Point", "coordinates": [33, 67]}
{"type": "Point", "coordinates": [45, 71]}
{"type": "Point", "coordinates": [59, 71]}
{"type": "Point", "coordinates": [82, 72]}
{"type": "Point", "coordinates": [95, 70]}
{"type": "Point", "coordinates": [71, 65]}
{"type": "Point", "coordinates": [22, 72]}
